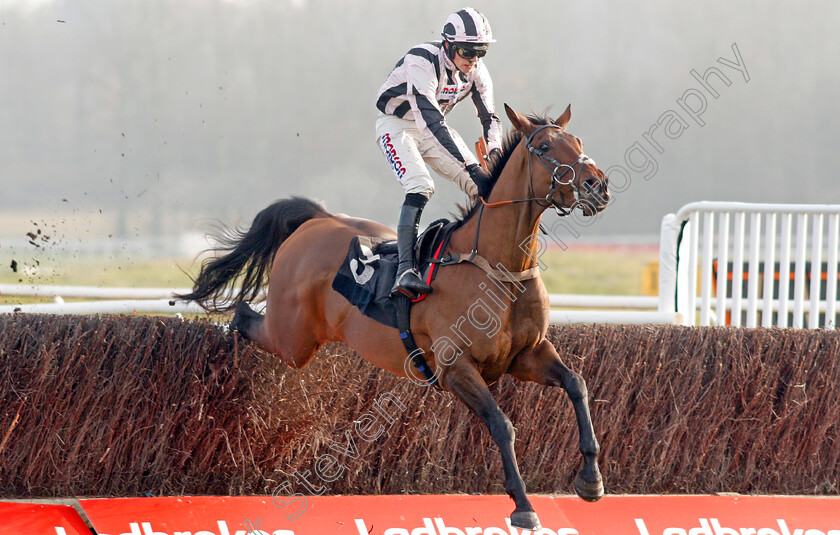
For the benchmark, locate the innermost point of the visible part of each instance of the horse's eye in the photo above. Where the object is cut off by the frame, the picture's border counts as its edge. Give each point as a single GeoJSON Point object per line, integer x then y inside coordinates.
{"type": "Point", "coordinates": [544, 147]}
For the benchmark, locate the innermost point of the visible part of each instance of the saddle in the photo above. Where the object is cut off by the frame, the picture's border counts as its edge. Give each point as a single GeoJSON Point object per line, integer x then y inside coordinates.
{"type": "Point", "coordinates": [367, 273]}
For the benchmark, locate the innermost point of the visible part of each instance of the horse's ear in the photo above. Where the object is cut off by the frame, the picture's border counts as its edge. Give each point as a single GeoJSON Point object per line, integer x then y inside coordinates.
{"type": "Point", "coordinates": [520, 122]}
{"type": "Point", "coordinates": [563, 120]}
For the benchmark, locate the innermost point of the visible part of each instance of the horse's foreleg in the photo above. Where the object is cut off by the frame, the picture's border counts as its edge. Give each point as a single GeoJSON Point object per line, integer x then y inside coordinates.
{"type": "Point", "coordinates": [545, 367]}
{"type": "Point", "coordinates": [465, 382]}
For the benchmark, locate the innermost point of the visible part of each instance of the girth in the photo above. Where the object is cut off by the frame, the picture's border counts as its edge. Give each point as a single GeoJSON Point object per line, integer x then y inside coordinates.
{"type": "Point", "coordinates": [403, 304]}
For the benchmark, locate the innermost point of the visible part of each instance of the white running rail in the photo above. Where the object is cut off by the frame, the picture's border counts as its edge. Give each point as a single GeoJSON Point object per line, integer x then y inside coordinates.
{"type": "Point", "coordinates": [704, 248]}
{"type": "Point", "coordinates": [785, 279]}
{"type": "Point", "coordinates": [108, 306]}
{"type": "Point", "coordinates": [614, 308]}
{"type": "Point", "coordinates": [89, 292]}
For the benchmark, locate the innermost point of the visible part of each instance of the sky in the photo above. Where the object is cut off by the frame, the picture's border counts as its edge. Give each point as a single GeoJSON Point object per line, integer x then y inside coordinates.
{"type": "Point", "coordinates": [135, 118]}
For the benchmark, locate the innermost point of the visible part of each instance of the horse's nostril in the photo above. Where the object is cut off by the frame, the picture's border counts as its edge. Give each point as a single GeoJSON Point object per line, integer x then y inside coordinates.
{"type": "Point", "coordinates": [597, 190]}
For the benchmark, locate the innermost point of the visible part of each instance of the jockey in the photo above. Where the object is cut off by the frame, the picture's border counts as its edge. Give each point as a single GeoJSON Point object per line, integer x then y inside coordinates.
{"type": "Point", "coordinates": [411, 129]}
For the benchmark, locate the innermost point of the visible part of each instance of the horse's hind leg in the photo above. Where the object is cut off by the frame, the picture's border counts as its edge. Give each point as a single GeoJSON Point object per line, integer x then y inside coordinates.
{"type": "Point", "coordinates": [296, 351]}
{"type": "Point", "coordinates": [465, 382]}
{"type": "Point", "coordinates": [246, 321]}
{"type": "Point", "coordinates": [545, 367]}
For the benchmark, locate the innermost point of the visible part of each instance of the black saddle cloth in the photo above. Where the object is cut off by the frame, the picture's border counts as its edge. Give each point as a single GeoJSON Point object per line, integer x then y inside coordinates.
{"type": "Point", "coordinates": [367, 274]}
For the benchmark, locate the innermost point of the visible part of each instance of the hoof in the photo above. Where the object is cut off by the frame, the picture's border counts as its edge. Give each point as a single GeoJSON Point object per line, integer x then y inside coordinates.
{"type": "Point", "coordinates": [525, 520]}
{"type": "Point", "coordinates": [242, 318]}
{"type": "Point", "coordinates": [590, 491]}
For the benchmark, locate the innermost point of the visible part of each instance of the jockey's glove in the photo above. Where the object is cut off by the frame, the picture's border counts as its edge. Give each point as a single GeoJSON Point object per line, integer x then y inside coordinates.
{"type": "Point", "coordinates": [480, 177]}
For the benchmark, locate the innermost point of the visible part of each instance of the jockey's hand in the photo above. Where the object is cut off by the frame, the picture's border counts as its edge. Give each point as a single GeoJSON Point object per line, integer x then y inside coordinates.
{"type": "Point", "coordinates": [480, 177]}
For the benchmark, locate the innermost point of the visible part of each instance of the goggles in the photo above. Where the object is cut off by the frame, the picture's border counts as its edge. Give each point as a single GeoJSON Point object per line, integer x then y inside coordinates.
{"type": "Point", "coordinates": [469, 53]}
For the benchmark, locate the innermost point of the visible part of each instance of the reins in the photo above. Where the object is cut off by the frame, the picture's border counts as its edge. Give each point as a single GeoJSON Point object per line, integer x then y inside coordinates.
{"type": "Point", "coordinates": [481, 262]}
{"type": "Point", "coordinates": [502, 203]}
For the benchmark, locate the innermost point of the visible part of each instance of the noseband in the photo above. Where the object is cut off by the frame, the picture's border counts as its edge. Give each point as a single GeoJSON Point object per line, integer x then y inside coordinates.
{"type": "Point", "coordinates": [556, 175]}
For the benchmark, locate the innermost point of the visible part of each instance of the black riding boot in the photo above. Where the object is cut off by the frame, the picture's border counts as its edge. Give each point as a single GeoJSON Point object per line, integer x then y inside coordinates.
{"type": "Point", "coordinates": [408, 281]}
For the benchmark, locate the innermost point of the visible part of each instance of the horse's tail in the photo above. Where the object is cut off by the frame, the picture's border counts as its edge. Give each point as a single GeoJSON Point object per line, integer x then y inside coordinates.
{"type": "Point", "coordinates": [245, 256]}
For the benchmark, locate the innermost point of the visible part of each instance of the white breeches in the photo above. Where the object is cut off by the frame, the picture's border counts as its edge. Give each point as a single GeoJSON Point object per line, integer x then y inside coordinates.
{"type": "Point", "coordinates": [408, 152]}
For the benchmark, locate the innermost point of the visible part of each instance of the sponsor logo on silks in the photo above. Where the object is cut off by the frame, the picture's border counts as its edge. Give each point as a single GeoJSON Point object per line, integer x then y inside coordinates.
{"type": "Point", "coordinates": [449, 90]}
{"type": "Point", "coordinates": [391, 154]}
{"type": "Point", "coordinates": [438, 527]}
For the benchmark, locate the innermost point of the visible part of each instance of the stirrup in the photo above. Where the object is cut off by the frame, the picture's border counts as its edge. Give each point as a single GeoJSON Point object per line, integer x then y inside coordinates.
{"type": "Point", "coordinates": [410, 284]}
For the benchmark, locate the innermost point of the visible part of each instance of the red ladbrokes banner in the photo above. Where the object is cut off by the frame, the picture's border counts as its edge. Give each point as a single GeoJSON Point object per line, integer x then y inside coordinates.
{"type": "Point", "coordinates": [464, 515]}
{"type": "Point", "coordinates": [40, 519]}
{"type": "Point", "coordinates": [428, 515]}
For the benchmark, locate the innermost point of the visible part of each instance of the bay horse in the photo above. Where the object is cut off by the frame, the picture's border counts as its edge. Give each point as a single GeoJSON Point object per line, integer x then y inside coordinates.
{"type": "Point", "coordinates": [303, 246]}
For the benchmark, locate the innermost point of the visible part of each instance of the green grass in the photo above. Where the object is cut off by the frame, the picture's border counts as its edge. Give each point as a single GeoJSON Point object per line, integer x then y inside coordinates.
{"type": "Point", "coordinates": [100, 272]}
{"type": "Point", "coordinates": [595, 271]}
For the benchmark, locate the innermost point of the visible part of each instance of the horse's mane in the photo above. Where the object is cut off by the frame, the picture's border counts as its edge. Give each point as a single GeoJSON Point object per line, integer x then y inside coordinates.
{"type": "Point", "coordinates": [509, 143]}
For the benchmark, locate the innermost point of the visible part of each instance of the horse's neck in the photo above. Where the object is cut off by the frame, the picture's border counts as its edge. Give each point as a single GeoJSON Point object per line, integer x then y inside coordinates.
{"type": "Point", "coordinates": [508, 232]}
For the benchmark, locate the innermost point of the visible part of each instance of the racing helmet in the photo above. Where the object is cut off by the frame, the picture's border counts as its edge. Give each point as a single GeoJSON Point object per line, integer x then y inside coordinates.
{"type": "Point", "coordinates": [468, 26]}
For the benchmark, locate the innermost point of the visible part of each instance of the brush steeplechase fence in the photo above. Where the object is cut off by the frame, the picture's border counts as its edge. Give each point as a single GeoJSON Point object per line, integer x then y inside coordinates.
{"type": "Point", "coordinates": [127, 405]}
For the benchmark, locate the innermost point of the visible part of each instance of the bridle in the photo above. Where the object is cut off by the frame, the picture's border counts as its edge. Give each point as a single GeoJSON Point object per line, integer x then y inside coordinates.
{"type": "Point", "coordinates": [556, 176]}
{"type": "Point", "coordinates": [556, 182]}
{"type": "Point", "coordinates": [558, 171]}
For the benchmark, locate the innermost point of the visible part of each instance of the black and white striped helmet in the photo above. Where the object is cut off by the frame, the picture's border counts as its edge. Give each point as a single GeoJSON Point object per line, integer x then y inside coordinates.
{"type": "Point", "coordinates": [468, 26]}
